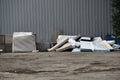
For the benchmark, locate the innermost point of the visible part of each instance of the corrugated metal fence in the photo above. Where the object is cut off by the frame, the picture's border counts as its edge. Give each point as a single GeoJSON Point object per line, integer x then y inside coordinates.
{"type": "Point", "coordinates": [46, 17]}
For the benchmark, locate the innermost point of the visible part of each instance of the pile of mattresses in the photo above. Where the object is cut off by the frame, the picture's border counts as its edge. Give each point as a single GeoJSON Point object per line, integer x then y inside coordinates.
{"type": "Point", "coordinates": [23, 42]}
{"type": "Point", "coordinates": [77, 43]}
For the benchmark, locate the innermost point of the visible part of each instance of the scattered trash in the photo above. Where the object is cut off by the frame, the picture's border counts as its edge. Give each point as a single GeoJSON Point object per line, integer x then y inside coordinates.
{"type": "Point", "coordinates": [83, 44]}
{"type": "Point", "coordinates": [111, 37]}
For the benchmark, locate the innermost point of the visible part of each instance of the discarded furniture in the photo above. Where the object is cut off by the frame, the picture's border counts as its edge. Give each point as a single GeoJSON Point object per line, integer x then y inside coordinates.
{"type": "Point", "coordinates": [83, 44]}
{"type": "Point", "coordinates": [63, 41]}
{"type": "Point", "coordinates": [23, 42]}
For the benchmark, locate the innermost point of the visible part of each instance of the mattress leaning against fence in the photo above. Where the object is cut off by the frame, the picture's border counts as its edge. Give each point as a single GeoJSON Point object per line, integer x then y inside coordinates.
{"type": "Point", "coordinates": [23, 42]}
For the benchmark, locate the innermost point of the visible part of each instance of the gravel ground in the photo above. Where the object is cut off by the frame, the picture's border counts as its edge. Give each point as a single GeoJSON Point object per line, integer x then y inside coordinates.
{"type": "Point", "coordinates": [60, 66]}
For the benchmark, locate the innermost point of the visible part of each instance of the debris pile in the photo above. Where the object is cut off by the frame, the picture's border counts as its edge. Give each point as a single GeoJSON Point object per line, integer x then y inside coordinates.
{"type": "Point", "coordinates": [78, 43]}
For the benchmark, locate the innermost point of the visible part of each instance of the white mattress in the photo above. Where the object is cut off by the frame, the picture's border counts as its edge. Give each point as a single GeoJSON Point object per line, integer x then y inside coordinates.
{"type": "Point", "coordinates": [23, 42]}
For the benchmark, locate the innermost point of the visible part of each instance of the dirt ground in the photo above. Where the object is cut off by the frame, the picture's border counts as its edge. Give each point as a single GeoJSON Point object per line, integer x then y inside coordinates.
{"type": "Point", "coordinates": [60, 66]}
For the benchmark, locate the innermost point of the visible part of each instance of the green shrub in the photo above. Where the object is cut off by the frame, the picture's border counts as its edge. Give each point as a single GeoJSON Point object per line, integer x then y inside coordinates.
{"type": "Point", "coordinates": [116, 16]}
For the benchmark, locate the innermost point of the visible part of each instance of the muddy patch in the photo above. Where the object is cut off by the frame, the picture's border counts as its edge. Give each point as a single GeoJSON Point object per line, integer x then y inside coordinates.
{"type": "Point", "coordinates": [92, 69]}
{"type": "Point", "coordinates": [28, 71]}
